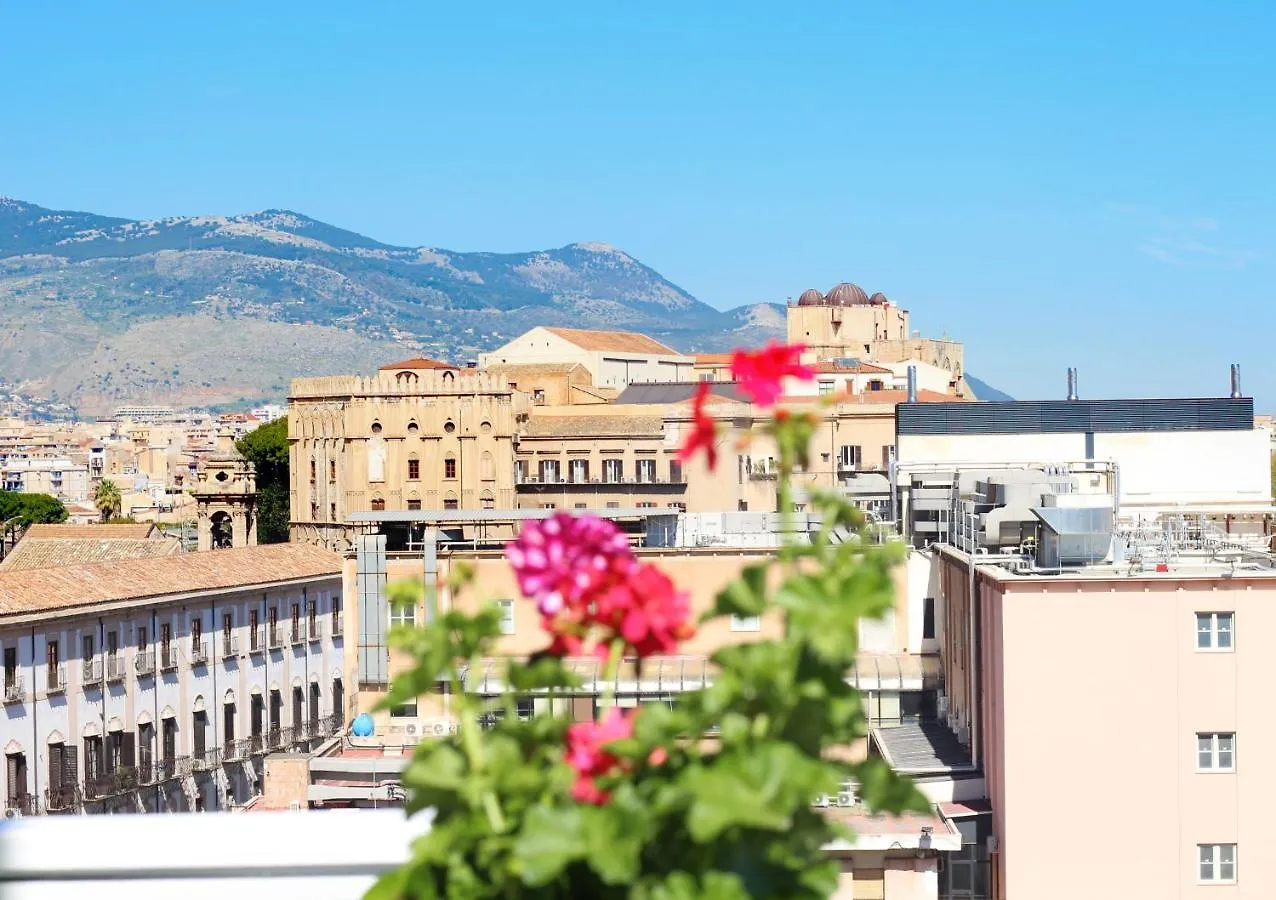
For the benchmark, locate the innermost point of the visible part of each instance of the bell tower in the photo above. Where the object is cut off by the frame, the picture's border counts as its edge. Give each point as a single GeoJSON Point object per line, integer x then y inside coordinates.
{"type": "Point", "coordinates": [226, 498]}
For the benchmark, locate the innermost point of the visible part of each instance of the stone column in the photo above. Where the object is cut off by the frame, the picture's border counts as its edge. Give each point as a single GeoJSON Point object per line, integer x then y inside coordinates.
{"type": "Point", "coordinates": [238, 529]}
{"type": "Point", "coordinates": [203, 528]}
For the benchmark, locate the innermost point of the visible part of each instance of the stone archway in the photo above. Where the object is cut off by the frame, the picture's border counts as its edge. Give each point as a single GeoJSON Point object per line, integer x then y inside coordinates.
{"type": "Point", "coordinates": [222, 531]}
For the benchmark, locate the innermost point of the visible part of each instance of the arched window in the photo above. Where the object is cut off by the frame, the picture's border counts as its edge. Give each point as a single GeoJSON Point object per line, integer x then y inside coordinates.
{"type": "Point", "coordinates": [487, 466]}
{"type": "Point", "coordinates": [378, 504]}
{"type": "Point", "coordinates": [448, 379]}
{"type": "Point", "coordinates": [450, 501]}
{"type": "Point", "coordinates": [487, 501]}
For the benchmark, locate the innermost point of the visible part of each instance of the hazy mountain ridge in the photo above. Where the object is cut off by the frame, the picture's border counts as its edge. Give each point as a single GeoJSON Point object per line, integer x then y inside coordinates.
{"type": "Point", "coordinates": [98, 310]}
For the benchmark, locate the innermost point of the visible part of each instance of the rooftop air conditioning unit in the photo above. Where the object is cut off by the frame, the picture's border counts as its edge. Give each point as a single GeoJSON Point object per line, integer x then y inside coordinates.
{"type": "Point", "coordinates": [822, 801]}
{"type": "Point", "coordinates": [846, 796]}
{"type": "Point", "coordinates": [412, 733]}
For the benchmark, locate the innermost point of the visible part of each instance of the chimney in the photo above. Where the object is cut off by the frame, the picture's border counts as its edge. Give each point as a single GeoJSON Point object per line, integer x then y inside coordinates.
{"type": "Point", "coordinates": [1072, 384]}
{"type": "Point", "coordinates": [1236, 381]}
{"type": "Point", "coordinates": [912, 384]}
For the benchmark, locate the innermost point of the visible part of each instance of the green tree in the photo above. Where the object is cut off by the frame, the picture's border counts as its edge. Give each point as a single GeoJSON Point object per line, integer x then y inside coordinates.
{"type": "Point", "coordinates": [267, 449]}
{"type": "Point", "coordinates": [31, 509]}
{"type": "Point", "coordinates": [107, 499]}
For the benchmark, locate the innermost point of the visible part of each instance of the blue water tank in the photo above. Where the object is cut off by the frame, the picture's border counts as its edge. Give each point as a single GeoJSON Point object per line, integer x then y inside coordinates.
{"type": "Point", "coordinates": [362, 726]}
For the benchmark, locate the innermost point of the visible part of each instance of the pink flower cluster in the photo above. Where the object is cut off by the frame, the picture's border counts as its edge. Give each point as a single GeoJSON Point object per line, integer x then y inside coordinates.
{"type": "Point", "coordinates": [761, 373]}
{"type": "Point", "coordinates": [586, 582]}
{"type": "Point", "coordinates": [585, 753]}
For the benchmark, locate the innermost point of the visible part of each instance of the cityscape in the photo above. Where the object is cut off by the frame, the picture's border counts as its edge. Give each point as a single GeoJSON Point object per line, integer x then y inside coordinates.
{"type": "Point", "coordinates": [351, 568]}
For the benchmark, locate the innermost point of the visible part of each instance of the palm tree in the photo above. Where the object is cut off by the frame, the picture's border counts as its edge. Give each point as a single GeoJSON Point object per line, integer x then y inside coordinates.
{"type": "Point", "coordinates": [107, 499]}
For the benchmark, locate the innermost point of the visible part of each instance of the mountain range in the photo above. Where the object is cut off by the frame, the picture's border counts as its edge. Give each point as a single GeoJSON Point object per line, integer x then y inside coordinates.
{"type": "Point", "coordinates": [96, 311]}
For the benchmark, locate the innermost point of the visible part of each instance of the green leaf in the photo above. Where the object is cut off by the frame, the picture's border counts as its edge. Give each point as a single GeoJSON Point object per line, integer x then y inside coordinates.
{"type": "Point", "coordinates": [540, 673]}
{"type": "Point", "coordinates": [885, 790]}
{"type": "Point", "coordinates": [745, 596]}
{"type": "Point", "coordinates": [551, 838]}
{"type": "Point", "coordinates": [615, 835]}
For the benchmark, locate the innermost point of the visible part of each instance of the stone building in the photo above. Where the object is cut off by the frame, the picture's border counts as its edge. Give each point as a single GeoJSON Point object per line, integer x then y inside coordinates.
{"type": "Point", "coordinates": [225, 494]}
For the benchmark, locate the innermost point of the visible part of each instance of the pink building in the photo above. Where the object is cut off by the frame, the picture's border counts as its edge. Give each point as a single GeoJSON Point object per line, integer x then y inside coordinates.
{"type": "Point", "coordinates": [1123, 712]}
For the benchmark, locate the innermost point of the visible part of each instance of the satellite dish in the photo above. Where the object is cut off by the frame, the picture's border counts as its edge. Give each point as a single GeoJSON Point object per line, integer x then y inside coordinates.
{"type": "Point", "coordinates": [362, 726]}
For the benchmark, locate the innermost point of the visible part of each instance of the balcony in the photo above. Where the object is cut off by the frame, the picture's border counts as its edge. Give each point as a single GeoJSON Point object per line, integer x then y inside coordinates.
{"type": "Point", "coordinates": [168, 659]}
{"type": "Point", "coordinates": [296, 634]}
{"type": "Point", "coordinates": [115, 669]}
{"type": "Point", "coordinates": [236, 750]}
{"type": "Point", "coordinates": [256, 744]}
{"type": "Point", "coordinates": [111, 784]}
{"type": "Point", "coordinates": [144, 663]}
{"type": "Point", "coordinates": [24, 804]}
{"type": "Point", "coordinates": [199, 653]}
{"type": "Point", "coordinates": [257, 639]}
{"type": "Point", "coordinates": [146, 772]}
{"type": "Point", "coordinates": [275, 638]}
{"type": "Point", "coordinates": [653, 485]}
{"type": "Point", "coordinates": [208, 760]}
{"type": "Point", "coordinates": [14, 690]}
{"type": "Point", "coordinates": [230, 646]}
{"type": "Point", "coordinates": [338, 626]}
{"type": "Point", "coordinates": [62, 799]}
{"type": "Point", "coordinates": [764, 473]}
{"type": "Point", "coordinates": [91, 673]}
{"type": "Point", "coordinates": [55, 679]}
{"type": "Point", "coordinates": [316, 630]}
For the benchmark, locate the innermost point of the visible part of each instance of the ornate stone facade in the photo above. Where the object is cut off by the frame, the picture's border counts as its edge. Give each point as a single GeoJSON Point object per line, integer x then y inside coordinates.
{"type": "Point", "coordinates": [226, 498]}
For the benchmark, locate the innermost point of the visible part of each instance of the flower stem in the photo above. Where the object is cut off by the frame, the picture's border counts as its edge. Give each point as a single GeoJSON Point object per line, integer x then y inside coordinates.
{"type": "Point", "coordinates": [609, 673]}
{"type": "Point", "coordinates": [472, 742]}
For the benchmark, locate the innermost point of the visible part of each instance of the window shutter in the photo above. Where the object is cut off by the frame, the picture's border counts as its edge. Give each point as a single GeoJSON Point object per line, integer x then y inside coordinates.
{"type": "Point", "coordinates": [11, 777]}
{"type": "Point", "coordinates": [70, 771]}
{"type": "Point", "coordinates": [127, 757]}
{"type": "Point", "coordinates": [55, 767]}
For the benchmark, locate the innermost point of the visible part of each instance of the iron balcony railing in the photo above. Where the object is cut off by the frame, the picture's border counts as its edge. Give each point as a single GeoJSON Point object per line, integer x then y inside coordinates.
{"type": "Point", "coordinates": [146, 772]}
{"type": "Point", "coordinates": [230, 646]}
{"type": "Point", "coordinates": [25, 804]}
{"type": "Point", "coordinates": [144, 663]}
{"type": "Point", "coordinates": [337, 626]}
{"type": "Point", "coordinates": [316, 630]}
{"type": "Point", "coordinates": [208, 760]}
{"type": "Point", "coordinates": [168, 659]}
{"type": "Point", "coordinates": [64, 798]}
{"type": "Point", "coordinates": [256, 744]}
{"type": "Point", "coordinates": [14, 690]}
{"type": "Point", "coordinates": [110, 784]}
{"type": "Point", "coordinates": [91, 672]}
{"type": "Point", "coordinates": [275, 637]}
{"type": "Point", "coordinates": [257, 639]}
{"type": "Point", "coordinates": [295, 634]}
{"type": "Point", "coordinates": [115, 668]}
{"type": "Point", "coordinates": [199, 653]}
{"type": "Point", "coordinates": [172, 767]}
{"type": "Point", "coordinates": [55, 678]}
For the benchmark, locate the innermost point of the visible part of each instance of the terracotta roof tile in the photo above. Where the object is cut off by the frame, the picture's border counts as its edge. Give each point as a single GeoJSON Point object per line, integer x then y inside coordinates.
{"type": "Point", "coordinates": [713, 359]}
{"type": "Point", "coordinates": [71, 587]}
{"type": "Point", "coordinates": [861, 368]}
{"type": "Point", "coordinates": [620, 341]}
{"type": "Point", "coordinates": [47, 553]}
{"type": "Point", "coordinates": [586, 426]}
{"type": "Point", "coordinates": [127, 531]}
{"type": "Point", "coordinates": [417, 362]}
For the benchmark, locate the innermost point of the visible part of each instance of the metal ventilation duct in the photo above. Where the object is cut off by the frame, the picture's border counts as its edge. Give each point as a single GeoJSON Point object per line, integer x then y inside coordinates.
{"type": "Point", "coordinates": [1073, 536]}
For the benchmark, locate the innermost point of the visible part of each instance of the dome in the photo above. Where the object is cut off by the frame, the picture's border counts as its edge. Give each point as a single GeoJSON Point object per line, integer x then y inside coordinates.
{"type": "Point", "coordinates": [878, 299]}
{"type": "Point", "coordinates": [847, 294]}
{"type": "Point", "coordinates": [811, 297]}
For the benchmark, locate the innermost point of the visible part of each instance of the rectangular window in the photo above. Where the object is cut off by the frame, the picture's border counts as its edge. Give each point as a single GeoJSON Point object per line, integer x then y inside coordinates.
{"type": "Point", "coordinates": [520, 471]}
{"type": "Point", "coordinates": [1215, 752]}
{"type": "Point", "coordinates": [332, 470]}
{"type": "Point", "coordinates": [1214, 631]}
{"type": "Point", "coordinates": [549, 506]}
{"type": "Point", "coordinates": [197, 632]}
{"type": "Point", "coordinates": [613, 470]}
{"type": "Point", "coordinates": [507, 616]}
{"type": "Point", "coordinates": [612, 504]}
{"type": "Point", "coordinates": [88, 648]}
{"type": "Point", "coordinates": [675, 471]}
{"type": "Point", "coordinates": [10, 666]}
{"type": "Point", "coordinates": [746, 623]}
{"type": "Point", "coordinates": [52, 659]}
{"type": "Point", "coordinates": [141, 639]}
{"type": "Point", "coordinates": [580, 506]}
{"type": "Point", "coordinates": [646, 471]}
{"type": "Point", "coordinates": [826, 388]}
{"type": "Point", "coordinates": [414, 469]}
{"type": "Point", "coordinates": [414, 505]}
{"type": "Point", "coordinates": [678, 505]}
{"type": "Point", "coordinates": [449, 504]}
{"type": "Point", "coordinates": [578, 471]}
{"type": "Point", "coordinates": [1217, 863]}
{"type": "Point", "coordinates": [296, 621]}
{"type": "Point", "coordinates": [928, 619]}
{"type": "Point", "coordinates": [742, 506]}
{"type": "Point", "coordinates": [850, 456]}
{"type": "Point", "coordinates": [449, 468]}
{"type": "Point", "coordinates": [404, 711]}
{"type": "Point", "coordinates": [332, 512]}
{"type": "Point", "coordinates": [645, 505]}
{"type": "Point", "coordinates": [549, 471]}
{"type": "Point", "coordinates": [402, 614]}
{"type": "Point", "coordinates": [336, 616]}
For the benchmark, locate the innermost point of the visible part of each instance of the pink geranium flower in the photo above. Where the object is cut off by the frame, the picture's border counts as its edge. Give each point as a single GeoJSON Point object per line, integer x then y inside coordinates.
{"type": "Point", "coordinates": [561, 560]}
{"type": "Point", "coordinates": [646, 611]}
{"type": "Point", "coordinates": [586, 754]}
{"type": "Point", "coordinates": [761, 373]}
{"type": "Point", "coordinates": [703, 430]}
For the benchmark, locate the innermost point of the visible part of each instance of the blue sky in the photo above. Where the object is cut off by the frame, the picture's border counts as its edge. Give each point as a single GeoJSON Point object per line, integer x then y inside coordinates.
{"type": "Point", "coordinates": [1078, 184]}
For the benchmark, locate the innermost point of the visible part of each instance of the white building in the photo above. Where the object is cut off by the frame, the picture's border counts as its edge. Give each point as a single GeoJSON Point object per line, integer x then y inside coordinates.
{"type": "Point", "coordinates": [57, 476]}
{"type": "Point", "coordinates": [159, 684]}
{"type": "Point", "coordinates": [615, 359]}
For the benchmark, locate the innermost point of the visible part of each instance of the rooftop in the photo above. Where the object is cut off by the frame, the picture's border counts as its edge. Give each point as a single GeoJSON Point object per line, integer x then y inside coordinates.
{"type": "Point", "coordinates": [622, 341]}
{"type": "Point", "coordinates": [44, 553]}
{"type": "Point", "coordinates": [678, 392]}
{"type": "Point", "coordinates": [76, 586]}
{"type": "Point", "coordinates": [921, 747]}
{"type": "Point", "coordinates": [416, 362]}
{"type": "Point", "coordinates": [126, 531]}
{"type": "Point", "coordinates": [592, 425]}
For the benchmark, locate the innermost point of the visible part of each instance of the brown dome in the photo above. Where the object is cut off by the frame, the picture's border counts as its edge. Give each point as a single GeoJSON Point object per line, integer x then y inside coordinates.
{"type": "Point", "coordinates": [847, 294]}
{"type": "Point", "coordinates": [811, 297]}
{"type": "Point", "coordinates": [878, 299]}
